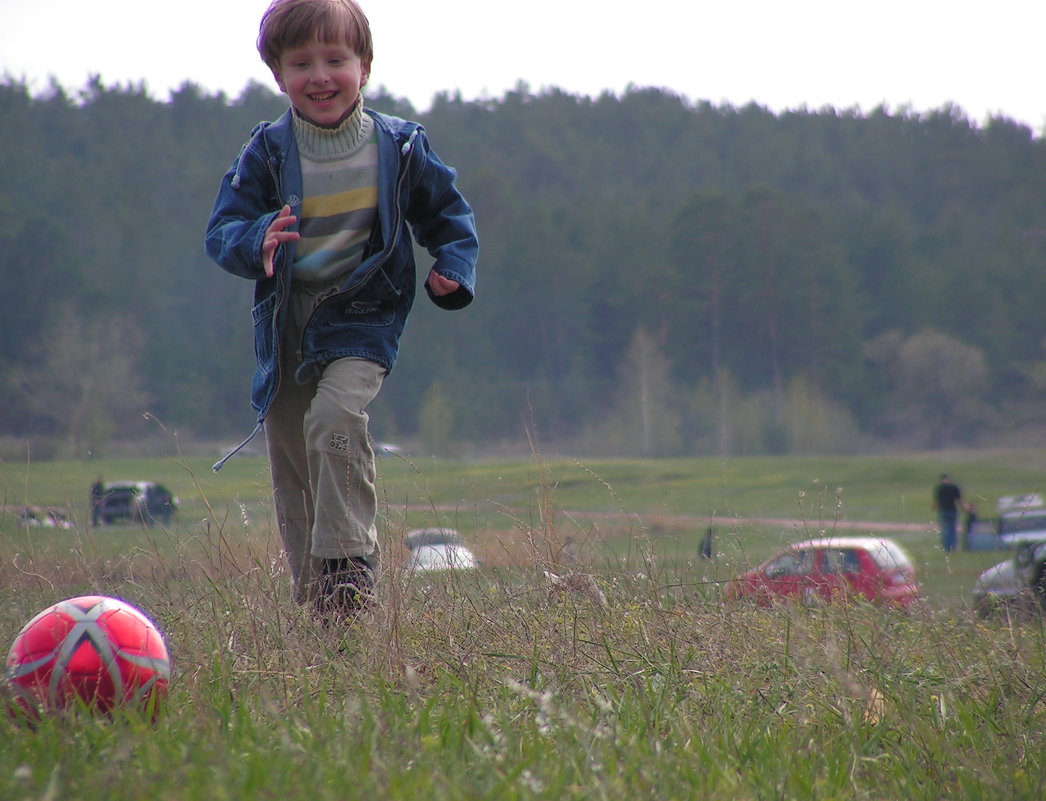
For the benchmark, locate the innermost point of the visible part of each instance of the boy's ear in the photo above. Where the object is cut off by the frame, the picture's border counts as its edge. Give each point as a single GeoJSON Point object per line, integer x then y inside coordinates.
{"type": "Point", "coordinates": [279, 81]}
{"type": "Point", "coordinates": [365, 73]}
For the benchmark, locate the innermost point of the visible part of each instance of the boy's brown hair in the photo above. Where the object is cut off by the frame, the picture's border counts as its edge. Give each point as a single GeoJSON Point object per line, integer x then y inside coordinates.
{"type": "Point", "coordinates": [287, 24]}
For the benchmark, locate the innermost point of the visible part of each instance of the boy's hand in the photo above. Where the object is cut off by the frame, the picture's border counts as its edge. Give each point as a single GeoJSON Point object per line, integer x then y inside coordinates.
{"type": "Point", "coordinates": [274, 235]}
{"type": "Point", "coordinates": [441, 286]}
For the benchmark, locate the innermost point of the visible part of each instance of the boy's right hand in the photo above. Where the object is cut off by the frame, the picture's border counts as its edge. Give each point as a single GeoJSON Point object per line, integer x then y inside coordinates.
{"type": "Point", "coordinates": [274, 235]}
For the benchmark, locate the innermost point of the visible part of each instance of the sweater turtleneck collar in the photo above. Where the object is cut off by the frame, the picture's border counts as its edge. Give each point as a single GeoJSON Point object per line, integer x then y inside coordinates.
{"type": "Point", "coordinates": [324, 144]}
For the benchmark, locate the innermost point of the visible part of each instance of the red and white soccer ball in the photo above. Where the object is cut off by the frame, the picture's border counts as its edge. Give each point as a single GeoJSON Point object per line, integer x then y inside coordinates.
{"type": "Point", "coordinates": [91, 652]}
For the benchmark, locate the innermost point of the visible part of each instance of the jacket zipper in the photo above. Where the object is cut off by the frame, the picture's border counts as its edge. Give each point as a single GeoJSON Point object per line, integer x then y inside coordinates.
{"type": "Point", "coordinates": [280, 293]}
{"type": "Point", "coordinates": [407, 149]}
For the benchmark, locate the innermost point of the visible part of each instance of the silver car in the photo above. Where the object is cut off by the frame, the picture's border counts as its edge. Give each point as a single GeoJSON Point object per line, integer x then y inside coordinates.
{"type": "Point", "coordinates": [438, 549]}
{"type": "Point", "coordinates": [1018, 582]}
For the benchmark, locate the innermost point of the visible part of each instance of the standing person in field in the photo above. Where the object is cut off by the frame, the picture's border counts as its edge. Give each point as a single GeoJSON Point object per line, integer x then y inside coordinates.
{"type": "Point", "coordinates": [317, 209]}
{"type": "Point", "coordinates": [947, 498]}
{"type": "Point", "coordinates": [97, 496]}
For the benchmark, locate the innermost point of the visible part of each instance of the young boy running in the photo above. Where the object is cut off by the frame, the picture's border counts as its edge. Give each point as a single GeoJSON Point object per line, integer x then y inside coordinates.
{"type": "Point", "coordinates": [316, 210]}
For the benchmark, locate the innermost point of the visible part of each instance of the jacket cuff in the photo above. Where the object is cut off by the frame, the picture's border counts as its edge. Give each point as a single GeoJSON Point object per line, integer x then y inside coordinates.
{"type": "Point", "coordinates": [458, 299]}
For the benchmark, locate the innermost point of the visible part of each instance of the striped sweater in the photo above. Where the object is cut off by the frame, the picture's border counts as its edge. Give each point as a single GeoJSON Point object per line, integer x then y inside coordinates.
{"type": "Point", "coordinates": [340, 195]}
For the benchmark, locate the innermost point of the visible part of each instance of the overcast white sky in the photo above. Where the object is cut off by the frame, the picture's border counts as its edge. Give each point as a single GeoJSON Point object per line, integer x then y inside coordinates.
{"type": "Point", "coordinates": [986, 58]}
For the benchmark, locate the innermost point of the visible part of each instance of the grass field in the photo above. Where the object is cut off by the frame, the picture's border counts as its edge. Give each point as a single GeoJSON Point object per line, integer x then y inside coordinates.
{"type": "Point", "coordinates": [489, 685]}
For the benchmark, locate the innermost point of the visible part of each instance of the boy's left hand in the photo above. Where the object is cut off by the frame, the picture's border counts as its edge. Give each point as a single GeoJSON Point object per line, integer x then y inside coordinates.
{"type": "Point", "coordinates": [441, 286]}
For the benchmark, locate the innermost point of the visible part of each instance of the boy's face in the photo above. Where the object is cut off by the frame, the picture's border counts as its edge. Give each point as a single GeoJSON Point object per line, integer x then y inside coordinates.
{"type": "Point", "coordinates": [322, 81]}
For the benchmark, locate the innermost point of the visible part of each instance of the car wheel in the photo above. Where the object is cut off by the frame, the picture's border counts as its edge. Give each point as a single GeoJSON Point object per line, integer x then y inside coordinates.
{"type": "Point", "coordinates": [988, 606]}
{"type": "Point", "coordinates": [1039, 587]}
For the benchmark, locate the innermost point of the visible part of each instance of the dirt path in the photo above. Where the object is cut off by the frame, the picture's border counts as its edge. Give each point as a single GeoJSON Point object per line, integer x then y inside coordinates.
{"type": "Point", "coordinates": [828, 525]}
{"type": "Point", "coordinates": [832, 525]}
{"type": "Point", "coordinates": [656, 520]}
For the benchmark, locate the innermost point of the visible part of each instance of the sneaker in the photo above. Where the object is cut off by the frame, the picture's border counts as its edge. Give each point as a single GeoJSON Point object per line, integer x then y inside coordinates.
{"type": "Point", "coordinates": [346, 589]}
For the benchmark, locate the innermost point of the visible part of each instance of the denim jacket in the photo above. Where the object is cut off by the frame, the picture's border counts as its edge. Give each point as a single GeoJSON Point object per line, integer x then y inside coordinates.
{"type": "Point", "coordinates": [366, 317]}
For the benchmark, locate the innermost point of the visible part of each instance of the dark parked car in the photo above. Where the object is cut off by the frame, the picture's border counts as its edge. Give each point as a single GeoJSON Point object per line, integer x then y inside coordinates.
{"type": "Point", "coordinates": [832, 568]}
{"type": "Point", "coordinates": [142, 502]}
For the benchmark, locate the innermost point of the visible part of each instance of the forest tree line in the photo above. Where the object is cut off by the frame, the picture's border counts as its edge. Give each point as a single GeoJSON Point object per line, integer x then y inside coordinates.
{"type": "Point", "coordinates": [657, 277]}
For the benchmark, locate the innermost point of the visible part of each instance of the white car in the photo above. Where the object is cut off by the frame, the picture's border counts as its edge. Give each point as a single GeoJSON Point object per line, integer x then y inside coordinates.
{"type": "Point", "coordinates": [996, 586]}
{"type": "Point", "coordinates": [38, 517]}
{"type": "Point", "coordinates": [1018, 581]}
{"type": "Point", "coordinates": [438, 549]}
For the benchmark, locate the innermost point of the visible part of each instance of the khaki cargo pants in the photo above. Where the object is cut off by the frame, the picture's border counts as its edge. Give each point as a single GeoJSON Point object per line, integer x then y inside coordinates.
{"type": "Point", "coordinates": [320, 455]}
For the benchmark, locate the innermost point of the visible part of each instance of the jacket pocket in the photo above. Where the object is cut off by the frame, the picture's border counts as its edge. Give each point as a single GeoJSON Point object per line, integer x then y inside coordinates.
{"type": "Point", "coordinates": [375, 304]}
{"type": "Point", "coordinates": [264, 336]}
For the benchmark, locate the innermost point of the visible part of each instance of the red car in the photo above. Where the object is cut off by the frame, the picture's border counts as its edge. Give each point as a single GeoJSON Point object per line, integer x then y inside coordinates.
{"type": "Point", "coordinates": [834, 568]}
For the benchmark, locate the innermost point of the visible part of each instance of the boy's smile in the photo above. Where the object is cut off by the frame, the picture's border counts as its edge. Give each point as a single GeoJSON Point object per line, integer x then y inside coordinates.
{"type": "Point", "coordinates": [322, 81]}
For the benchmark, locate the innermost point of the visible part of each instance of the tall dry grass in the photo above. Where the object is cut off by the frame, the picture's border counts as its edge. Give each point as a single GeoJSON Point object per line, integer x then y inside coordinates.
{"type": "Point", "coordinates": [557, 670]}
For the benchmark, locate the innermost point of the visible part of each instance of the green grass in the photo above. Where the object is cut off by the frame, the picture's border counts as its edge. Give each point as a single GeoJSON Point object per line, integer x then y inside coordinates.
{"type": "Point", "coordinates": [488, 685]}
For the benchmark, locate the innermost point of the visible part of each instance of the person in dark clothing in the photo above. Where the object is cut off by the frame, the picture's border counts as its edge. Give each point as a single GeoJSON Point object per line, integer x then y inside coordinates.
{"type": "Point", "coordinates": [947, 499]}
{"type": "Point", "coordinates": [707, 548]}
{"type": "Point", "coordinates": [97, 494]}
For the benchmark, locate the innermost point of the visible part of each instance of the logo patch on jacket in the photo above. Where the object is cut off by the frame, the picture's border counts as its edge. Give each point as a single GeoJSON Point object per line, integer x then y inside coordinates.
{"type": "Point", "coordinates": [339, 442]}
